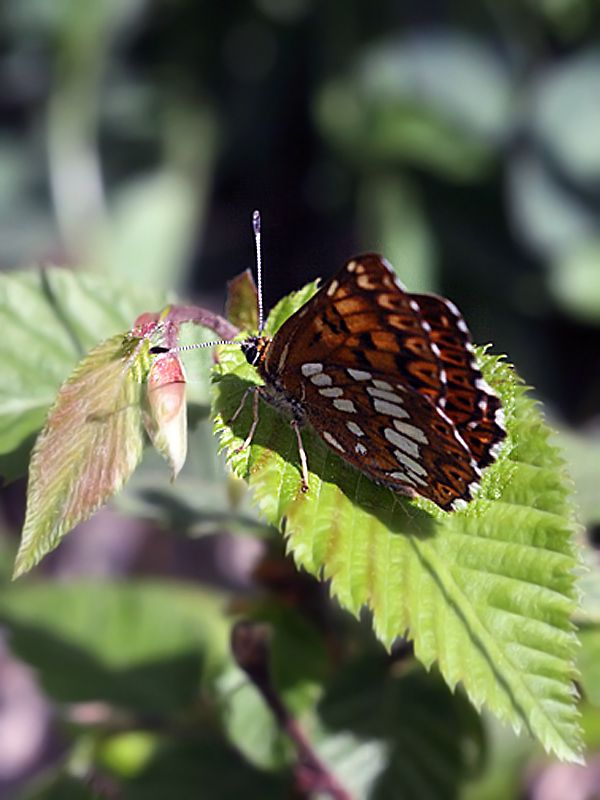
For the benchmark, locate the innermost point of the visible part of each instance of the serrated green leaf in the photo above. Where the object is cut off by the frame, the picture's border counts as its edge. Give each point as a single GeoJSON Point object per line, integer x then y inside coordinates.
{"type": "Point", "coordinates": [50, 318]}
{"type": "Point", "coordinates": [91, 443]}
{"type": "Point", "coordinates": [486, 592]}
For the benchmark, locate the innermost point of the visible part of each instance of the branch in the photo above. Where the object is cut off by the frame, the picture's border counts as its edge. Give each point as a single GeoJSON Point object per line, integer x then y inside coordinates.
{"type": "Point", "coordinates": [250, 647]}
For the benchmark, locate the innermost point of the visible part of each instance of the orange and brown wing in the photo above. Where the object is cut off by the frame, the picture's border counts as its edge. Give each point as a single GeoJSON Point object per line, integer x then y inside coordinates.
{"type": "Point", "coordinates": [365, 354]}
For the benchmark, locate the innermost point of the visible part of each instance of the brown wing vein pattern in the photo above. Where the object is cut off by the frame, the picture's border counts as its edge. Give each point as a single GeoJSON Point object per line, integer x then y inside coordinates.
{"type": "Point", "coordinates": [389, 381]}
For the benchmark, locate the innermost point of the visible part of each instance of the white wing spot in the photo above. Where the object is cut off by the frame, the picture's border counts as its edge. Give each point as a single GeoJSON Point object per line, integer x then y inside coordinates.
{"type": "Point", "coordinates": [389, 409]}
{"type": "Point", "coordinates": [402, 476]}
{"type": "Point", "coordinates": [459, 504]}
{"type": "Point", "coordinates": [311, 369]}
{"type": "Point", "coordinates": [410, 464]}
{"type": "Point", "coordinates": [345, 405]}
{"type": "Point", "coordinates": [415, 306]}
{"type": "Point", "coordinates": [496, 449]}
{"type": "Point", "coordinates": [435, 349]}
{"type": "Point", "coordinates": [351, 266]}
{"type": "Point", "coordinates": [332, 441]}
{"type": "Point", "coordinates": [355, 429]}
{"type": "Point", "coordinates": [359, 374]}
{"type": "Point", "coordinates": [426, 326]}
{"type": "Point", "coordinates": [407, 445]}
{"type": "Point", "coordinates": [443, 376]}
{"type": "Point", "coordinates": [360, 449]}
{"type": "Point", "coordinates": [474, 488]}
{"type": "Point", "coordinates": [333, 287]}
{"type": "Point", "coordinates": [413, 478]}
{"type": "Point", "coordinates": [483, 385]}
{"type": "Point", "coordinates": [320, 379]}
{"type": "Point", "coordinates": [387, 387]}
{"type": "Point", "coordinates": [411, 430]}
{"type": "Point", "coordinates": [335, 391]}
{"type": "Point", "coordinates": [383, 395]}
{"type": "Point", "coordinates": [450, 305]}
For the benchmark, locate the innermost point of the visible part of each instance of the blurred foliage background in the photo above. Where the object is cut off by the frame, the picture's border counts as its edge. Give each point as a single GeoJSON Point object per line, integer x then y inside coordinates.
{"type": "Point", "coordinates": [461, 139]}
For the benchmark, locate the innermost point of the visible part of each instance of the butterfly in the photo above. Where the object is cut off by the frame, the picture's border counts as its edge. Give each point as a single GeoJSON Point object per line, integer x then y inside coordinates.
{"type": "Point", "coordinates": [387, 378]}
{"type": "Point", "coordinates": [389, 381]}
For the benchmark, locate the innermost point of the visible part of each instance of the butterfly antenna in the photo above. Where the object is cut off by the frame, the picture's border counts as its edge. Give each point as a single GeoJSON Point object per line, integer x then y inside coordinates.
{"type": "Point", "coordinates": [256, 229]}
{"type": "Point", "coordinates": [160, 349]}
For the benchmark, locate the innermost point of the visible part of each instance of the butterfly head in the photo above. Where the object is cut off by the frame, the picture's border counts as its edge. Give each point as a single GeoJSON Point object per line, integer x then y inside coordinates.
{"type": "Point", "coordinates": [254, 348]}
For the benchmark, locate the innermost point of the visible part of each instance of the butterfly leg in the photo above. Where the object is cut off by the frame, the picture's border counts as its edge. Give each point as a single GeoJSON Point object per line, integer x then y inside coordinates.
{"type": "Point", "coordinates": [241, 405]}
{"type": "Point", "coordinates": [248, 439]}
{"type": "Point", "coordinates": [303, 460]}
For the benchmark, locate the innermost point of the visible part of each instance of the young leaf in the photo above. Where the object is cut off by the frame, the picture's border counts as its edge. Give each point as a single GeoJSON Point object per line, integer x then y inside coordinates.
{"type": "Point", "coordinates": [165, 413]}
{"type": "Point", "coordinates": [91, 443]}
{"type": "Point", "coordinates": [242, 305]}
{"type": "Point", "coordinates": [487, 592]}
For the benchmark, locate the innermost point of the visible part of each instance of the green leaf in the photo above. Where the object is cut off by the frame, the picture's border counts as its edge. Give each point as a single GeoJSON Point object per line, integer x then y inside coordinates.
{"type": "Point", "coordinates": [204, 767]}
{"type": "Point", "coordinates": [50, 318]}
{"type": "Point", "coordinates": [438, 100]}
{"type": "Point", "coordinates": [91, 443]}
{"type": "Point", "coordinates": [574, 279]}
{"type": "Point", "coordinates": [486, 592]}
{"type": "Point", "coordinates": [242, 304]}
{"type": "Point", "coordinates": [141, 646]}
{"type": "Point", "coordinates": [416, 721]}
{"type": "Point", "coordinates": [589, 663]}
{"type": "Point", "coordinates": [250, 724]}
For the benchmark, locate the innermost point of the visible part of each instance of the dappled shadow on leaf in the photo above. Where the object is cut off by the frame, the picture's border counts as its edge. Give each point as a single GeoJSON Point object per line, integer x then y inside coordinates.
{"type": "Point", "coordinates": [274, 433]}
{"type": "Point", "coordinates": [53, 298]}
{"type": "Point", "coordinates": [416, 717]}
{"type": "Point", "coordinates": [187, 519]}
{"type": "Point", "coordinates": [71, 674]}
{"type": "Point", "coordinates": [204, 768]}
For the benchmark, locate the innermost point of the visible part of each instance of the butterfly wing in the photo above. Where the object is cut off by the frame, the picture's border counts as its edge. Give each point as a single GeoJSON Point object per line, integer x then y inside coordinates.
{"type": "Point", "coordinates": [394, 435]}
{"type": "Point", "coordinates": [468, 400]}
{"type": "Point", "coordinates": [365, 355]}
